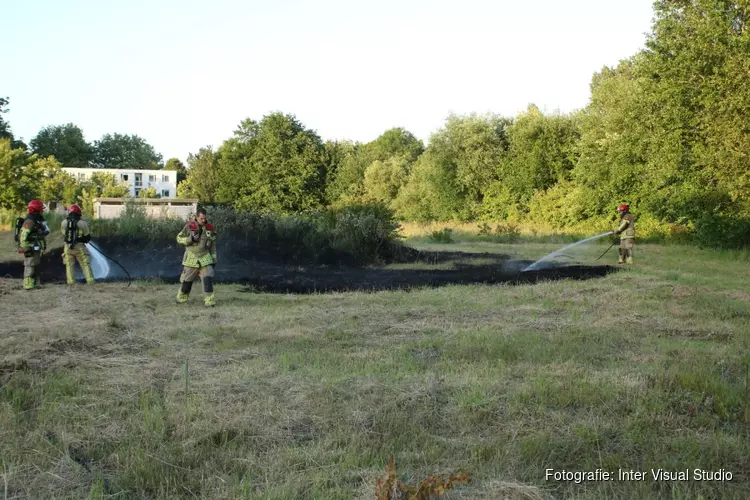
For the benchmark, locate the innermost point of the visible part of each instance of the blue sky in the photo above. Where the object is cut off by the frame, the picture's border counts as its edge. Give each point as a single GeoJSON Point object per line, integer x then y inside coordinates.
{"type": "Point", "coordinates": [183, 74]}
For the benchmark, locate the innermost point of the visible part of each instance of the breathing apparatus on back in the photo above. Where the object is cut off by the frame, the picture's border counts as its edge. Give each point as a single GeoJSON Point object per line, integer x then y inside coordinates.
{"type": "Point", "coordinates": [71, 231]}
{"type": "Point", "coordinates": [71, 227]}
{"type": "Point", "coordinates": [17, 230]}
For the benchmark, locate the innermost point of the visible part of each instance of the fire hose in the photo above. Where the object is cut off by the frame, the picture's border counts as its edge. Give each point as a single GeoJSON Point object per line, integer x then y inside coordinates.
{"type": "Point", "coordinates": [113, 260]}
{"type": "Point", "coordinates": [607, 250]}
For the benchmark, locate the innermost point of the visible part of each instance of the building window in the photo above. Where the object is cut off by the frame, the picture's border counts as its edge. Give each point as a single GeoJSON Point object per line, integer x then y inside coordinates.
{"type": "Point", "coordinates": [151, 178]}
{"type": "Point", "coordinates": [165, 193]}
{"type": "Point", "coordinates": [138, 180]}
{"type": "Point", "coordinates": [124, 177]}
{"type": "Point", "coordinates": [165, 178]}
{"type": "Point", "coordinates": [137, 192]}
{"type": "Point", "coordinates": [81, 176]}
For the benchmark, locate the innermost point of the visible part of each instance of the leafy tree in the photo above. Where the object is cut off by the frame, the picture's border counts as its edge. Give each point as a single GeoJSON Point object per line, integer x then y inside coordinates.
{"type": "Point", "coordinates": [5, 130]}
{"type": "Point", "coordinates": [18, 179]}
{"type": "Point", "coordinates": [24, 177]}
{"type": "Point", "coordinates": [66, 143]}
{"type": "Point", "coordinates": [177, 165]}
{"type": "Point", "coordinates": [55, 184]}
{"type": "Point", "coordinates": [101, 185]}
{"type": "Point", "coordinates": [148, 193]}
{"type": "Point", "coordinates": [202, 179]}
{"type": "Point", "coordinates": [614, 144]}
{"type": "Point", "coordinates": [347, 183]}
{"type": "Point", "coordinates": [384, 179]}
{"type": "Point", "coordinates": [396, 142]}
{"type": "Point", "coordinates": [106, 185]}
{"type": "Point", "coordinates": [542, 151]}
{"type": "Point", "coordinates": [695, 75]}
{"type": "Point", "coordinates": [125, 152]}
{"type": "Point", "coordinates": [461, 160]}
{"type": "Point", "coordinates": [275, 164]}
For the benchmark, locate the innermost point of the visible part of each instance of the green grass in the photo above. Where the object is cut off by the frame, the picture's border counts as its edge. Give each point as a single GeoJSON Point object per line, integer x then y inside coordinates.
{"type": "Point", "coordinates": [117, 392]}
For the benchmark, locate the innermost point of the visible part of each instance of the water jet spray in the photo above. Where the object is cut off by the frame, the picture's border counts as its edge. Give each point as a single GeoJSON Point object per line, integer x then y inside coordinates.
{"type": "Point", "coordinates": [535, 265]}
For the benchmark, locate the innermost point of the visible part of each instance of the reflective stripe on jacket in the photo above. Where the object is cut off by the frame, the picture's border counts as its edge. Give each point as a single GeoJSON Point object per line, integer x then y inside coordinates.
{"type": "Point", "coordinates": [198, 254]}
{"type": "Point", "coordinates": [627, 227]}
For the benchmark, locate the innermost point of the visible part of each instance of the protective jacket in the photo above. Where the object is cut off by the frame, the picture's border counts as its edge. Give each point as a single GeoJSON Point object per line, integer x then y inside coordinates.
{"type": "Point", "coordinates": [75, 232]}
{"type": "Point", "coordinates": [200, 246]}
{"type": "Point", "coordinates": [33, 234]}
{"type": "Point", "coordinates": [75, 235]}
{"type": "Point", "coordinates": [626, 229]}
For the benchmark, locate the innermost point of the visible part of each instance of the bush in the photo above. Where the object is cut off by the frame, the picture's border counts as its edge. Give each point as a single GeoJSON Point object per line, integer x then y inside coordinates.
{"type": "Point", "coordinates": [356, 234]}
{"type": "Point", "coordinates": [721, 231]}
{"type": "Point", "coordinates": [444, 235]}
{"type": "Point", "coordinates": [368, 232]}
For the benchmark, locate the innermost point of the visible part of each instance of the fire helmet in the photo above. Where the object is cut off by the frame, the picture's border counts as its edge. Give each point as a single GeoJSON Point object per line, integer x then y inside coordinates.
{"type": "Point", "coordinates": [36, 207]}
{"type": "Point", "coordinates": [623, 208]}
{"type": "Point", "coordinates": [74, 209]}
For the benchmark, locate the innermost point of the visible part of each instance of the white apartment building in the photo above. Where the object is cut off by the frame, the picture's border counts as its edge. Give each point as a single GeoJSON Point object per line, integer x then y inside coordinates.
{"type": "Point", "coordinates": [164, 181]}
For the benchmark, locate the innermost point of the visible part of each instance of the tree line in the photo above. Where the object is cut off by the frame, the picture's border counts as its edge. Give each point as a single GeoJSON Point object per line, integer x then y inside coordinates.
{"type": "Point", "coordinates": [665, 131]}
{"type": "Point", "coordinates": [34, 170]}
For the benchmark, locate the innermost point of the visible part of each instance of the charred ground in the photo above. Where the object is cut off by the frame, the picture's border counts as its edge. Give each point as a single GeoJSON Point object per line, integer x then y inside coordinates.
{"type": "Point", "coordinates": [281, 271]}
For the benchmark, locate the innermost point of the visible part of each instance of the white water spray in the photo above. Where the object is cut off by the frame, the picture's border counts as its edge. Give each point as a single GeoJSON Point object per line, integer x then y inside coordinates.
{"type": "Point", "coordinates": [535, 265]}
{"type": "Point", "coordinates": [99, 263]}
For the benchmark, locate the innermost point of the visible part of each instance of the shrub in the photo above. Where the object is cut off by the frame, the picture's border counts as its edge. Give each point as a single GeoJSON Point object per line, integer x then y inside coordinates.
{"type": "Point", "coordinates": [360, 234]}
{"type": "Point", "coordinates": [721, 231]}
{"type": "Point", "coordinates": [444, 235]}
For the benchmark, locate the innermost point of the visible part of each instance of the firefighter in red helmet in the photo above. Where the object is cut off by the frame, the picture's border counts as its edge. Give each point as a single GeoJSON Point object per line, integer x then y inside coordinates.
{"type": "Point", "coordinates": [626, 230]}
{"type": "Point", "coordinates": [75, 235]}
{"type": "Point", "coordinates": [32, 241]}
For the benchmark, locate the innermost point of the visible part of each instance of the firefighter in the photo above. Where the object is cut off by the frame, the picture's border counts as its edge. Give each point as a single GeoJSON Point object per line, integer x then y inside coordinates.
{"type": "Point", "coordinates": [626, 230]}
{"type": "Point", "coordinates": [75, 235]}
{"type": "Point", "coordinates": [32, 242]}
{"type": "Point", "coordinates": [199, 239]}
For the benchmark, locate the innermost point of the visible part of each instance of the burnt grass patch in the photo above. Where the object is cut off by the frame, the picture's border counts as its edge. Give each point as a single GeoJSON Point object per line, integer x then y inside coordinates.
{"type": "Point", "coordinates": [276, 270]}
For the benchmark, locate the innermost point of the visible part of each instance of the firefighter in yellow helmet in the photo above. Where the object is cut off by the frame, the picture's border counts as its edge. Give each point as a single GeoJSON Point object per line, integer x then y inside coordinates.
{"type": "Point", "coordinates": [626, 230]}
{"type": "Point", "coordinates": [32, 242]}
{"type": "Point", "coordinates": [75, 235]}
{"type": "Point", "coordinates": [199, 239]}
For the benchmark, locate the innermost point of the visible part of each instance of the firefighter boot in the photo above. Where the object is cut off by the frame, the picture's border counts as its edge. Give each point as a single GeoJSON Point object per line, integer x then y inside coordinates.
{"type": "Point", "coordinates": [208, 291]}
{"type": "Point", "coordinates": [184, 293]}
{"type": "Point", "coordinates": [29, 283]}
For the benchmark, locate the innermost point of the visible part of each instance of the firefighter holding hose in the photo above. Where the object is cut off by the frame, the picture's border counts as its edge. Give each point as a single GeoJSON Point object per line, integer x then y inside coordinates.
{"type": "Point", "coordinates": [32, 241]}
{"type": "Point", "coordinates": [199, 239]}
{"type": "Point", "coordinates": [75, 235]}
{"type": "Point", "coordinates": [626, 230]}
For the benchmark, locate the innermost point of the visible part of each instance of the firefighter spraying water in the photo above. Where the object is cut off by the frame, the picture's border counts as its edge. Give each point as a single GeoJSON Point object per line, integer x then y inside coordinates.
{"type": "Point", "coordinates": [78, 246]}
{"type": "Point", "coordinates": [625, 230]}
{"type": "Point", "coordinates": [536, 265]}
{"type": "Point", "coordinates": [75, 236]}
